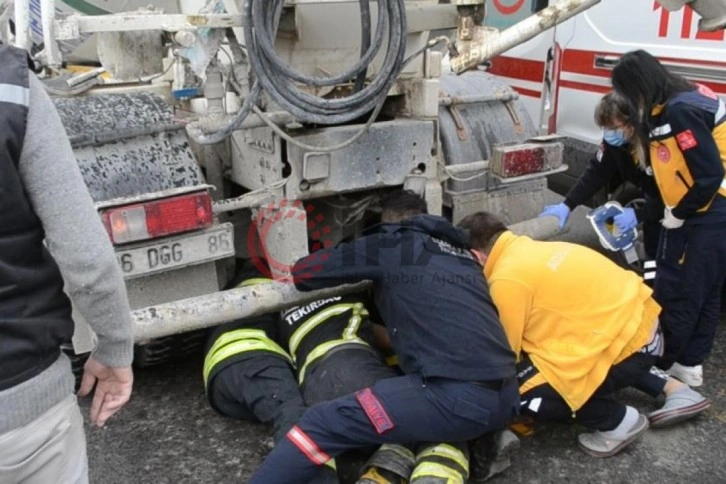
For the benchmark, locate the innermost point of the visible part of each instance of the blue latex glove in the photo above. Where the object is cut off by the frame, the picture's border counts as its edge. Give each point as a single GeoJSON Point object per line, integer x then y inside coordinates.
{"type": "Point", "coordinates": [626, 220]}
{"type": "Point", "coordinates": [561, 211]}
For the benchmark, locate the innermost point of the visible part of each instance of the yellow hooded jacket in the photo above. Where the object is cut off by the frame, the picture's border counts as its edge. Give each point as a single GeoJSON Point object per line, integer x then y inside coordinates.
{"type": "Point", "coordinates": [572, 310]}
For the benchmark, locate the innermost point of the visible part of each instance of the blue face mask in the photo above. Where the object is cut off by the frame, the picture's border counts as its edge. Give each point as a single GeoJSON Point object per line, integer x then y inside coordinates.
{"type": "Point", "coordinates": [614, 137]}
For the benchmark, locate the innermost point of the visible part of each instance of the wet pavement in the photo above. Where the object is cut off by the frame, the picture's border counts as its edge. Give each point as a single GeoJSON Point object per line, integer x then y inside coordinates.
{"type": "Point", "coordinates": [168, 434]}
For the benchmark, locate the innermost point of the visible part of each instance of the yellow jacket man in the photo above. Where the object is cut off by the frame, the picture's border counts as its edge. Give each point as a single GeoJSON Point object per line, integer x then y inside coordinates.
{"type": "Point", "coordinates": [582, 328]}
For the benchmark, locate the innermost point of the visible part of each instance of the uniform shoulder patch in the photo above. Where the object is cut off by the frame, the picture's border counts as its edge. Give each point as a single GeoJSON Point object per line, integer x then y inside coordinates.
{"type": "Point", "coordinates": [686, 140]}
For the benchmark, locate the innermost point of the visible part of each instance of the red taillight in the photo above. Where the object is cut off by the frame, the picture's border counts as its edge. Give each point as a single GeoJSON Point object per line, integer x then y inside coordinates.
{"type": "Point", "coordinates": [149, 220]}
{"type": "Point", "coordinates": [526, 158]}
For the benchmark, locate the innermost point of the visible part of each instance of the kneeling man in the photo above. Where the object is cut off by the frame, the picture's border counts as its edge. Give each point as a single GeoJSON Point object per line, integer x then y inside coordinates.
{"type": "Point", "coordinates": [582, 328]}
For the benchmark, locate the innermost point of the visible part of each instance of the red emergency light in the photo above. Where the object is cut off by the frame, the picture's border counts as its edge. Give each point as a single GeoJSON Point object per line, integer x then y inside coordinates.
{"type": "Point", "coordinates": [149, 220]}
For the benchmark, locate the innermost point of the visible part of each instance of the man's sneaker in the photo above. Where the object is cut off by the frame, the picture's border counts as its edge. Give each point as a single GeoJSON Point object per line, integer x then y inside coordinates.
{"type": "Point", "coordinates": [690, 375]}
{"type": "Point", "coordinates": [679, 406]}
{"type": "Point", "coordinates": [602, 444]}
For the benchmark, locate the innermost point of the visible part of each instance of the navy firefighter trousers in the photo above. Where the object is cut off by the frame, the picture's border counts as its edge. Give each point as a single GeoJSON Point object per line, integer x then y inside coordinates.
{"type": "Point", "coordinates": [407, 408]}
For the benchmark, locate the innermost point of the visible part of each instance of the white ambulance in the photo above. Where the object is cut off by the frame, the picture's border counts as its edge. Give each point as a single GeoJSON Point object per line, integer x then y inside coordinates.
{"type": "Point", "coordinates": [562, 73]}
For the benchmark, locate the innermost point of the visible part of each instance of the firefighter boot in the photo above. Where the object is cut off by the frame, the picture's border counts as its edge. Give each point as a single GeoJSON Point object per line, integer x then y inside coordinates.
{"type": "Point", "coordinates": [391, 464]}
{"type": "Point", "coordinates": [490, 454]}
{"type": "Point", "coordinates": [441, 464]}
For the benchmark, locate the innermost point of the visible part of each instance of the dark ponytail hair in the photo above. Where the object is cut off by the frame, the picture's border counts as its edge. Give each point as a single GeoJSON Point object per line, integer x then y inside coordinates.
{"type": "Point", "coordinates": [645, 83]}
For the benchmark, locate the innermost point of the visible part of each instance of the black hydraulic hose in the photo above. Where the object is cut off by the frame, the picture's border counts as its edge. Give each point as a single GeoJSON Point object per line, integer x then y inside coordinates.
{"type": "Point", "coordinates": [277, 78]}
{"type": "Point", "coordinates": [263, 17]}
{"type": "Point", "coordinates": [260, 22]}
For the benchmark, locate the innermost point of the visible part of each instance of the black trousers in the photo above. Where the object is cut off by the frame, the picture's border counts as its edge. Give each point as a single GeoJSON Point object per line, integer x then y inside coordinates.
{"type": "Point", "coordinates": [343, 372]}
{"type": "Point", "coordinates": [652, 213]}
{"type": "Point", "coordinates": [601, 411]}
{"type": "Point", "coordinates": [260, 388]}
{"type": "Point", "coordinates": [688, 284]}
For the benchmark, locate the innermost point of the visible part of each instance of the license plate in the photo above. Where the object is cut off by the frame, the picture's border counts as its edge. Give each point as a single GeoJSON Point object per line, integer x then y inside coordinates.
{"type": "Point", "coordinates": [175, 252]}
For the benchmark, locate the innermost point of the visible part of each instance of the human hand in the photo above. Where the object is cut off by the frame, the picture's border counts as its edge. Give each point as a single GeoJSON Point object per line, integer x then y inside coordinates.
{"type": "Point", "coordinates": [626, 220]}
{"type": "Point", "coordinates": [561, 211]}
{"type": "Point", "coordinates": [669, 221]}
{"type": "Point", "coordinates": [113, 389]}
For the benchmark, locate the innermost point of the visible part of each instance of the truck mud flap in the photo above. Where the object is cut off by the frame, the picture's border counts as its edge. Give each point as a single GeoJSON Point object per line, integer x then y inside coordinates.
{"type": "Point", "coordinates": [128, 145]}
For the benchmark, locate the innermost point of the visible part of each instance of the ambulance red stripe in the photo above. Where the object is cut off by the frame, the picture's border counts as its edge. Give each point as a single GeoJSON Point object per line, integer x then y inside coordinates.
{"type": "Point", "coordinates": [584, 86]}
{"type": "Point", "coordinates": [514, 67]}
{"type": "Point", "coordinates": [577, 61]}
{"type": "Point", "coordinates": [583, 62]}
{"type": "Point", "coordinates": [527, 92]}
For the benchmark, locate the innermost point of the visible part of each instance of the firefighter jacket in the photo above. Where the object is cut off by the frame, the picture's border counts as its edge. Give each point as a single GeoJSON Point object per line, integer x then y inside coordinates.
{"type": "Point", "coordinates": [317, 329]}
{"type": "Point", "coordinates": [571, 310]}
{"type": "Point", "coordinates": [35, 314]}
{"type": "Point", "coordinates": [430, 293]}
{"type": "Point", "coordinates": [688, 153]}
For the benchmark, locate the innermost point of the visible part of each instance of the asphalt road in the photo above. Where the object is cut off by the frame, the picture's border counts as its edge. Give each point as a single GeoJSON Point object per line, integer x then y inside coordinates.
{"type": "Point", "coordinates": [168, 434]}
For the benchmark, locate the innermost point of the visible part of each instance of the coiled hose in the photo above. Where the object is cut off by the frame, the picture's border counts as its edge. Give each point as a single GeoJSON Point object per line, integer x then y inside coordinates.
{"type": "Point", "coordinates": [260, 21]}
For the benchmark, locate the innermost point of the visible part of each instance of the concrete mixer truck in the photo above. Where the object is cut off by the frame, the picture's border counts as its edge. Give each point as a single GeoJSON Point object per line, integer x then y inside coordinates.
{"type": "Point", "coordinates": [213, 132]}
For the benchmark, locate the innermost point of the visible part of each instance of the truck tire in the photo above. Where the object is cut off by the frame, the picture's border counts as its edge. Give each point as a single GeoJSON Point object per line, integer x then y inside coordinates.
{"type": "Point", "coordinates": [161, 350]}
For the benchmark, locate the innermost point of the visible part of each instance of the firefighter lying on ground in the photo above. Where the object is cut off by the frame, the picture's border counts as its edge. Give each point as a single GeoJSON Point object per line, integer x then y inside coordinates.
{"type": "Point", "coordinates": [249, 373]}
{"type": "Point", "coordinates": [582, 328]}
{"type": "Point", "coordinates": [253, 368]}
{"type": "Point", "coordinates": [458, 381]}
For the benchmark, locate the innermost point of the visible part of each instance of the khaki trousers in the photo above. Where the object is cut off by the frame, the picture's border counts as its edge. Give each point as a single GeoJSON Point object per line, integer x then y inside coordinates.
{"type": "Point", "coordinates": [49, 450]}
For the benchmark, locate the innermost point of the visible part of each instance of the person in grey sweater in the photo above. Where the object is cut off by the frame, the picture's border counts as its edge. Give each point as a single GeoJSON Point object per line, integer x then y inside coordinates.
{"type": "Point", "coordinates": [50, 232]}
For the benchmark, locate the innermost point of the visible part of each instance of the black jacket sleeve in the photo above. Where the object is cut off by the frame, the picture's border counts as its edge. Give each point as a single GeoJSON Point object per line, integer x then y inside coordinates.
{"type": "Point", "coordinates": [347, 263]}
{"type": "Point", "coordinates": [652, 209]}
{"type": "Point", "coordinates": [701, 154]}
{"type": "Point", "coordinates": [602, 167]}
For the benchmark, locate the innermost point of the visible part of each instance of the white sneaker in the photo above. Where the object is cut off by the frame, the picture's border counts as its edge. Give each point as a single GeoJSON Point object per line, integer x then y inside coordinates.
{"type": "Point", "coordinates": [690, 375]}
